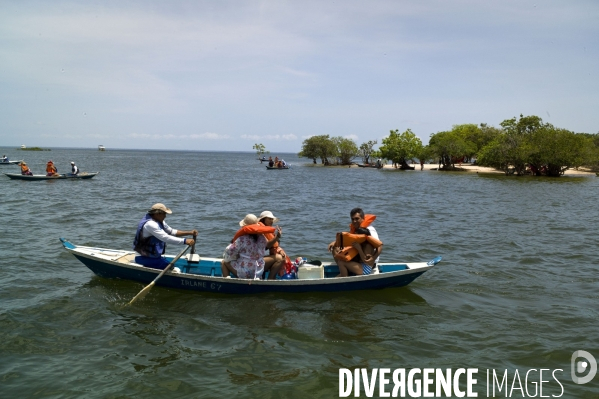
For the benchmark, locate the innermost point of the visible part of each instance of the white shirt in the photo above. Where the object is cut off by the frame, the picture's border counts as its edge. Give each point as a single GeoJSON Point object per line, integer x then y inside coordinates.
{"type": "Point", "coordinates": [74, 169]}
{"type": "Point", "coordinates": [374, 234]}
{"type": "Point", "coordinates": [151, 228]}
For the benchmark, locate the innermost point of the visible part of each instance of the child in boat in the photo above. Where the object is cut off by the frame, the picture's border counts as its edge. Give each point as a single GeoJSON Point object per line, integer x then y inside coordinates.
{"type": "Point", "coordinates": [25, 169]}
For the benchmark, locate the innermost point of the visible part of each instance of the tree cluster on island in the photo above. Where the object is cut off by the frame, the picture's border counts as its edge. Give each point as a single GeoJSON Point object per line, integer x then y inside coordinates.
{"type": "Point", "coordinates": [524, 145]}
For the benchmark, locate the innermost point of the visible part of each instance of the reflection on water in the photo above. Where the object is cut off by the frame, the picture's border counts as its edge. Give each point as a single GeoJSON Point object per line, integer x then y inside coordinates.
{"type": "Point", "coordinates": [516, 288]}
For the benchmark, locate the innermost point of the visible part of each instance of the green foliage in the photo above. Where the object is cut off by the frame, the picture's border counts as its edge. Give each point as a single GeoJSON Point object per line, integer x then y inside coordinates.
{"type": "Point", "coordinates": [341, 150]}
{"type": "Point", "coordinates": [347, 150]}
{"type": "Point", "coordinates": [451, 147]}
{"type": "Point", "coordinates": [527, 142]}
{"type": "Point", "coordinates": [321, 147]}
{"type": "Point", "coordinates": [399, 148]}
{"type": "Point", "coordinates": [34, 149]}
{"type": "Point", "coordinates": [366, 151]}
{"type": "Point", "coordinates": [260, 150]}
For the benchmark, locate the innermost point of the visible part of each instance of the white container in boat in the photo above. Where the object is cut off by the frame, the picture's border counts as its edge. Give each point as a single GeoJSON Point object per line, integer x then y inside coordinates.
{"type": "Point", "coordinates": [310, 272]}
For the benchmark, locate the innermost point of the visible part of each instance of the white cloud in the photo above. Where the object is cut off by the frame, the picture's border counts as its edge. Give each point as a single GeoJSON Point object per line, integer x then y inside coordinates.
{"type": "Point", "coordinates": [275, 137]}
{"type": "Point", "coordinates": [209, 136]}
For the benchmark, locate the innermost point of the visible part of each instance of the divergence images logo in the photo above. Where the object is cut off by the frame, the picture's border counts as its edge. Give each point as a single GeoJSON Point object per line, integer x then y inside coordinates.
{"type": "Point", "coordinates": [580, 366]}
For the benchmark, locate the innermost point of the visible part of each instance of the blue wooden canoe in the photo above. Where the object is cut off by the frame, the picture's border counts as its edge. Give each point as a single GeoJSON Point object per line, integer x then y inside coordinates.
{"type": "Point", "coordinates": [84, 175]}
{"type": "Point", "coordinates": [206, 275]}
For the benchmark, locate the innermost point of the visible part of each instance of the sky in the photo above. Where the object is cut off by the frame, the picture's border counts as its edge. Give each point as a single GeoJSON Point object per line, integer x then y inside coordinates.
{"type": "Point", "coordinates": [225, 75]}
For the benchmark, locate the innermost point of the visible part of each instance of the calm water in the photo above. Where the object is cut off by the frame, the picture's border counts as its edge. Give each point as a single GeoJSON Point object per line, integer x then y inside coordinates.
{"type": "Point", "coordinates": [517, 289]}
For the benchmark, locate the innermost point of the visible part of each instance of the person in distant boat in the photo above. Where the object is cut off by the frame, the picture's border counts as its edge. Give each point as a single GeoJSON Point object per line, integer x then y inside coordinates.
{"type": "Point", "coordinates": [74, 169]}
{"type": "Point", "coordinates": [276, 255]}
{"type": "Point", "coordinates": [153, 234]}
{"type": "Point", "coordinates": [244, 257]}
{"type": "Point", "coordinates": [283, 163]}
{"type": "Point", "coordinates": [4, 158]}
{"type": "Point", "coordinates": [270, 162]}
{"type": "Point", "coordinates": [51, 169]}
{"type": "Point", "coordinates": [25, 169]}
{"type": "Point", "coordinates": [276, 161]}
{"type": "Point", "coordinates": [368, 256]}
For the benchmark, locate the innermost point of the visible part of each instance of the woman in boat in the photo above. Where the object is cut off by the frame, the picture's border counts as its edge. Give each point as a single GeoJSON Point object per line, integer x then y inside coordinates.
{"type": "Point", "coordinates": [51, 169]}
{"type": "Point", "coordinates": [25, 169]}
{"type": "Point", "coordinates": [244, 257]}
{"type": "Point", "coordinates": [276, 255]}
{"type": "Point", "coordinates": [152, 236]}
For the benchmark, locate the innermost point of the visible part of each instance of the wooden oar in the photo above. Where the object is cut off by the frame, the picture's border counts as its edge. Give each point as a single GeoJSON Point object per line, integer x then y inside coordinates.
{"type": "Point", "coordinates": [148, 287]}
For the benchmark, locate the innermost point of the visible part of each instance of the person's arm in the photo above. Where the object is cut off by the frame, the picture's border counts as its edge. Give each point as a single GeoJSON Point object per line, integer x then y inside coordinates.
{"type": "Point", "coordinates": [358, 247]}
{"type": "Point", "coordinates": [275, 239]}
{"type": "Point", "coordinates": [332, 245]}
{"type": "Point", "coordinates": [151, 228]}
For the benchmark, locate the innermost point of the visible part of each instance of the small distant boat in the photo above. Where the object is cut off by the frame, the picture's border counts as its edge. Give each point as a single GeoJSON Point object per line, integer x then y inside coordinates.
{"type": "Point", "coordinates": [207, 276]}
{"type": "Point", "coordinates": [274, 167]}
{"type": "Point", "coordinates": [23, 146]}
{"type": "Point", "coordinates": [101, 148]}
{"type": "Point", "coordinates": [11, 162]}
{"type": "Point", "coordinates": [83, 175]}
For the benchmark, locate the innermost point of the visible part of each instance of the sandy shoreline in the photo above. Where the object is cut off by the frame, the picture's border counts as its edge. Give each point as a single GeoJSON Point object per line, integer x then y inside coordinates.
{"type": "Point", "coordinates": [482, 169]}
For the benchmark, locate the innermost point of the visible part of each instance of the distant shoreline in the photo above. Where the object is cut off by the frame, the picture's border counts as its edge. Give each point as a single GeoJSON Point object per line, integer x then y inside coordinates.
{"type": "Point", "coordinates": [470, 168]}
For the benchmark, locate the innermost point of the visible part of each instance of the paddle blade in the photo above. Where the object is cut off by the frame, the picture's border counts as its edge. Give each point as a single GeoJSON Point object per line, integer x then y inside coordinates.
{"type": "Point", "coordinates": [142, 293]}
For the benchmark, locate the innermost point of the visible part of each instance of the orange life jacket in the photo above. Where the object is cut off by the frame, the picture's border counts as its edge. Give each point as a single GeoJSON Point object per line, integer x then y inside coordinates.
{"type": "Point", "coordinates": [50, 168]}
{"type": "Point", "coordinates": [368, 219]}
{"type": "Point", "coordinates": [253, 229]}
{"type": "Point", "coordinates": [269, 236]}
{"type": "Point", "coordinates": [345, 240]}
{"type": "Point", "coordinates": [24, 167]}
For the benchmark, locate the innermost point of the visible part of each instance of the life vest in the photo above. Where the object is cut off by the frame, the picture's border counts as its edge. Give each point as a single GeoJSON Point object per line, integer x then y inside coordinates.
{"type": "Point", "coordinates": [345, 240]}
{"type": "Point", "coordinates": [270, 236]}
{"type": "Point", "coordinates": [150, 246]}
{"type": "Point", "coordinates": [368, 219]}
{"type": "Point", "coordinates": [253, 229]}
{"type": "Point", "coordinates": [50, 168]}
{"type": "Point", "coordinates": [24, 168]}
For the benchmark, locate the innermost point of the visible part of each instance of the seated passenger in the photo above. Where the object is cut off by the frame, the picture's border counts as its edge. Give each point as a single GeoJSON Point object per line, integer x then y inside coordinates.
{"type": "Point", "coordinates": [74, 169]}
{"type": "Point", "coordinates": [244, 257]}
{"type": "Point", "coordinates": [51, 169]}
{"type": "Point", "coordinates": [153, 234]}
{"type": "Point", "coordinates": [25, 169]}
{"type": "Point", "coordinates": [4, 158]}
{"type": "Point", "coordinates": [368, 256]}
{"type": "Point", "coordinates": [276, 255]}
{"type": "Point", "coordinates": [270, 162]}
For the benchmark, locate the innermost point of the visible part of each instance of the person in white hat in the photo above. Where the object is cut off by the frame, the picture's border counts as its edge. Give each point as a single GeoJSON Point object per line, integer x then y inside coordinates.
{"type": "Point", "coordinates": [153, 234]}
{"type": "Point", "coordinates": [276, 255]}
{"type": "Point", "coordinates": [244, 256]}
{"type": "Point", "coordinates": [74, 168]}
